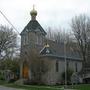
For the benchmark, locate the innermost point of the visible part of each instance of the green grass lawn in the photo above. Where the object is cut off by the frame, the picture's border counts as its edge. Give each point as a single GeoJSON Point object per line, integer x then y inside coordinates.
{"type": "Point", "coordinates": [76, 87]}
{"type": "Point", "coordinates": [31, 87]}
{"type": "Point", "coordinates": [82, 87]}
{"type": "Point", "coordinates": [28, 87]}
{"type": "Point", "coordinates": [34, 87]}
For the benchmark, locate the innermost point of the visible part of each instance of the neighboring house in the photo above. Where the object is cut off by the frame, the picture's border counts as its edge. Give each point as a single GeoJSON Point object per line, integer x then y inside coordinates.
{"type": "Point", "coordinates": [33, 36]}
{"type": "Point", "coordinates": [86, 71]}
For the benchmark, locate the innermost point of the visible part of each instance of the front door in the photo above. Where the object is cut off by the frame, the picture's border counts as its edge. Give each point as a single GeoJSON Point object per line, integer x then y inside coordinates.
{"type": "Point", "coordinates": [25, 71]}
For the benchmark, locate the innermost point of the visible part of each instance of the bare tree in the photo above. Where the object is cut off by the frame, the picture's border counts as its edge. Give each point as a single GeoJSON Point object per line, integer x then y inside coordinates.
{"type": "Point", "coordinates": [7, 42]}
{"type": "Point", "coordinates": [50, 34]}
{"type": "Point", "coordinates": [58, 35]}
{"type": "Point", "coordinates": [81, 28]}
{"type": "Point", "coordinates": [37, 65]}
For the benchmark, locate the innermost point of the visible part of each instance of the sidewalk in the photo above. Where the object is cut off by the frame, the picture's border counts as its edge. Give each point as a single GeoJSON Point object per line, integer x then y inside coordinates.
{"type": "Point", "coordinates": [8, 88]}
{"type": "Point", "coordinates": [66, 89]}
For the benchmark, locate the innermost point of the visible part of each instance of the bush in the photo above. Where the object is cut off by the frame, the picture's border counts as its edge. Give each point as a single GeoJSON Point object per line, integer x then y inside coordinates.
{"type": "Point", "coordinates": [2, 76]}
{"type": "Point", "coordinates": [69, 73]}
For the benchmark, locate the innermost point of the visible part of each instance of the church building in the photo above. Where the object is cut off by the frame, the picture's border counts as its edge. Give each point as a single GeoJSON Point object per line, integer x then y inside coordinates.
{"type": "Point", "coordinates": [33, 36]}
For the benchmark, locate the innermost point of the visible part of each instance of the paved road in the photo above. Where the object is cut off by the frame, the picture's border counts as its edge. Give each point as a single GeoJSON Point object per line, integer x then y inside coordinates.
{"type": "Point", "coordinates": [7, 88]}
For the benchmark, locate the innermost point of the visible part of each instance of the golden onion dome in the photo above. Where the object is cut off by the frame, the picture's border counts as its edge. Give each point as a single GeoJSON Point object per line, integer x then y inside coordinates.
{"type": "Point", "coordinates": [33, 12]}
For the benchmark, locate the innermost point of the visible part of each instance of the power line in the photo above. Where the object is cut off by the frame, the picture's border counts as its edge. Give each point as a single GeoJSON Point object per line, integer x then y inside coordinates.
{"type": "Point", "coordinates": [9, 22]}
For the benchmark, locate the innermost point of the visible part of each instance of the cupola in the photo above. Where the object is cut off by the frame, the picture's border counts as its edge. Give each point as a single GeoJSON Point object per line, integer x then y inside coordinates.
{"type": "Point", "coordinates": [33, 14]}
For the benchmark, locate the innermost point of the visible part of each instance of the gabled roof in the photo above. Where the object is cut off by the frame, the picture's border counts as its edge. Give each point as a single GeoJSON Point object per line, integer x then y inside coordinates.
{"type": "Point", "coordinates": [34, 26]}
{"type": "Point", "coordinates": [58, 49]}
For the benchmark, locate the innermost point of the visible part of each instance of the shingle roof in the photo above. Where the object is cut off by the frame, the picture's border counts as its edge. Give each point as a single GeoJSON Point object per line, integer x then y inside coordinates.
{"type": "Point", "coordinates": [33, 25]}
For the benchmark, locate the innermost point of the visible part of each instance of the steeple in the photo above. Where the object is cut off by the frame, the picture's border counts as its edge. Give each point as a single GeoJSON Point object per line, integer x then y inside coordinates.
{"type": "Point", "coordinates": [33, 14]}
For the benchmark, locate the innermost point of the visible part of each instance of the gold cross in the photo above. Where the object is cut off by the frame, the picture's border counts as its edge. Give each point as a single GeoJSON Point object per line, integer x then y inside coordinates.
{"type": "Point", "coordinates": [33, 7]}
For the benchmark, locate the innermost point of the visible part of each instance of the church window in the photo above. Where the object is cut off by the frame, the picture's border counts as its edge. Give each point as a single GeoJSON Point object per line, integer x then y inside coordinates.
{"type": "Point", "coordinates": [57, 66]}
{"type": "Point", "coordinates": [67, 65]}
{"type": "Point", "coordinates": [76, 67]}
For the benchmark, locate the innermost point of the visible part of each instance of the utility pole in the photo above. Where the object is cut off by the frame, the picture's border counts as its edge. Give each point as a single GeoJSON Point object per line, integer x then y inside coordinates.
{"type": "Point", "coordinates": [65, 62]}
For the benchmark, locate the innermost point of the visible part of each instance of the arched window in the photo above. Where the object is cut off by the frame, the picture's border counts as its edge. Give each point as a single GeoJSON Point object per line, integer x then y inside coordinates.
{"type": "Point", "coordinates": [57, 66]}
{"type": "Point", "coordinates": [67, 64]}
{"type": "Point", "coordinates": [76, 67]}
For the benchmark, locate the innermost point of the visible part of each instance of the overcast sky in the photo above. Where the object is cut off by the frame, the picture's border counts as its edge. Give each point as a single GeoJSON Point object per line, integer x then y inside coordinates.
{"type": "Point", "coordinates": [51, 13]}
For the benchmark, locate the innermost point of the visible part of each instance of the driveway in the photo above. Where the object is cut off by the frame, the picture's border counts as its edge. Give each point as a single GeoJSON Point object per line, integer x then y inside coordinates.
{"type": "Point", "coordinates": [8, 88]}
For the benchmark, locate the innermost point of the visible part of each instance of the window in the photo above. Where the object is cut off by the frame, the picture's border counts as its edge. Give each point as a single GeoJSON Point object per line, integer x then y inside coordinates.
{"type": "Point", "coordinates": [67, 65]}
{"type": "Point", "coordinates": [76, 67]}
{"type": "Point", "coordinates": [57, 66]}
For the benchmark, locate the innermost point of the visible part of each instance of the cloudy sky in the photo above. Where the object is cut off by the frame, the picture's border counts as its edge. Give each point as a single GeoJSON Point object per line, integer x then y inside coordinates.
{"type": "Point", "coordinates": [51, 13]}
